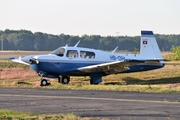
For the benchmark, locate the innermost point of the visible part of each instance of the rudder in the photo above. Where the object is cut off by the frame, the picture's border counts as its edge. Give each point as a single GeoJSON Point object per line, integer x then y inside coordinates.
{"type": "Point", "coordinates": [149, 47]}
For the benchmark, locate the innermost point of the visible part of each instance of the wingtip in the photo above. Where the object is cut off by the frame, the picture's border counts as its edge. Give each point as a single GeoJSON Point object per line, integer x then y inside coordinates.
{"type": "Point", "coordinates": [11, 58]}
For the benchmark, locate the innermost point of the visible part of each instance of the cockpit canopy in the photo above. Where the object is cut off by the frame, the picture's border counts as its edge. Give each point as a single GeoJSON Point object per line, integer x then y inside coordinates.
{"type": "Point", "coordinates": [71, 53]}
{"type": "Point", "coordinates": [59, 52]}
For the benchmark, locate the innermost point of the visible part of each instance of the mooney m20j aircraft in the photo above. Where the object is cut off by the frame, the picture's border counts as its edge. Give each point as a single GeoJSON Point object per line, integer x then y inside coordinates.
{"type": "Point", "coordinates": [77, 61]}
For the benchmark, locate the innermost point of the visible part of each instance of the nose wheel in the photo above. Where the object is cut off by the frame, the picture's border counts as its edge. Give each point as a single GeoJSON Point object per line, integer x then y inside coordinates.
{"type": "Point", "coordinates": [44, 82]}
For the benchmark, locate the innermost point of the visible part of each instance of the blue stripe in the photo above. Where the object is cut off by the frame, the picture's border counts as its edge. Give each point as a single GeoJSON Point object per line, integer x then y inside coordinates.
{"type": "Point", "coordinates": [64, 68]}
{"type": "Point", "coordinates": [147, 33]}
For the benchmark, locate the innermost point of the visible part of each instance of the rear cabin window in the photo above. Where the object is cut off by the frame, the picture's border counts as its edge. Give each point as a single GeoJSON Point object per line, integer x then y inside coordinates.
{"type": "Point", "coordinates": [59, 52]}
{"type": "Point", "coordinates": [72, 54]}
{"type": "Point", "coordinates": [87, 54]}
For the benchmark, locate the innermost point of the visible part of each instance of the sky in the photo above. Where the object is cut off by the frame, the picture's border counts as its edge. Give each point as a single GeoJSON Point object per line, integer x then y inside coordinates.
{"type": "Point", "coordinates": [91, 17]}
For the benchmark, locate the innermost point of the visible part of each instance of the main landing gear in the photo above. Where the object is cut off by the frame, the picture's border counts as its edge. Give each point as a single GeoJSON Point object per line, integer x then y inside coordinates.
{"type": "Point", "coordinates": [64, 79]}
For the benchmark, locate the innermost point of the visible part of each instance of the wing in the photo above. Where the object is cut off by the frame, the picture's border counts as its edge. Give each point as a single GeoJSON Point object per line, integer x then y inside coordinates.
{"type": "Point", "coordinates": [111, 67]}
{"type": "Point", "coordinates": [18, 60]}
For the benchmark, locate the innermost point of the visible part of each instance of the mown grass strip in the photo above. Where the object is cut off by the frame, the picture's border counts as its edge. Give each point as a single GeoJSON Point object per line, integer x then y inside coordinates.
{"type": "Point", "coordinates": [15, 115]}
{"type": "Point", "coordinates": [165, 80]}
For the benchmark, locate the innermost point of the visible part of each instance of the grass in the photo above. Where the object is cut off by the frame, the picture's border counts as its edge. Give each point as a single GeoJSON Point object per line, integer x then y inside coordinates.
{"type": "Point", "coordinates": [165, 80]}
{"type": "Point", "coordinates": [15, 115]}
{"type": "Point", "coordinates": [9, 64]}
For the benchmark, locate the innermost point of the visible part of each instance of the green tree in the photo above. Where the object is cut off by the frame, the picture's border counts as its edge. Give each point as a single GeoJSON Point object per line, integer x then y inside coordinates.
{"type": "Point", "coordinates": [40, 41]}
{"type": "Point", "coordinates": [176, 52]}
{"type": "Point", "coordinates": [24, 41]}
{"type": "Point", "coordinates": [53, 42]}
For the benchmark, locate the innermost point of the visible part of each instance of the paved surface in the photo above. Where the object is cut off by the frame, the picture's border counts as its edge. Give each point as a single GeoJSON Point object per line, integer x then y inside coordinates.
{"type": "Point", "coordinates": [113, 105]}
{"type": "Point", "coordinates": [17, 54]}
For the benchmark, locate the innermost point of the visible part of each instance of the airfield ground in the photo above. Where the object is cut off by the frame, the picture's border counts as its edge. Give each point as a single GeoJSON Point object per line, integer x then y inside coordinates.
{"type": "Point", "coordinates": [165, 80]}
{"type": "Point", "coordinates": [16, 54]}
{"type": "Point", "coordinates": [87, 104]}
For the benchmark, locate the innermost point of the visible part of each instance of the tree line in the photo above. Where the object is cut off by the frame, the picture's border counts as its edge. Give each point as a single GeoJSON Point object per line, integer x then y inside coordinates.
{"type": "Point", "coordinates": [38, 41]}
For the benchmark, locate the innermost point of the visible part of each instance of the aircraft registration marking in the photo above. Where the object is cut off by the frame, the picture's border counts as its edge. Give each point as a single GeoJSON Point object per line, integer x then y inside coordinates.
{"type": "Point", "coordinates": [113, 57]}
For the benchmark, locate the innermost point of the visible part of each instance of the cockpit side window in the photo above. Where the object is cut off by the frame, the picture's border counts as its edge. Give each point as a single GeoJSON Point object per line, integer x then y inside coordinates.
{"type": "Point", "coordinates": [87, 54]}
{"type": "Point", "coordinates": [59, 52]}
{"type": "Point", "coordinates": [72, 54]}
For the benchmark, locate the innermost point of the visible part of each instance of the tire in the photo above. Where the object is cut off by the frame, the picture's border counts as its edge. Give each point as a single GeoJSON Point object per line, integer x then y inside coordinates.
{"type": "Point", "coordinates": [44, 82]}
{"type": "Point", "coordinates": [65, 79]}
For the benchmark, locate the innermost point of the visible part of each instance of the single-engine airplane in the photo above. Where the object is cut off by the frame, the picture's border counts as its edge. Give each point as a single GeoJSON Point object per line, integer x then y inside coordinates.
{"type": "Point", "coordinates": [77, 61]}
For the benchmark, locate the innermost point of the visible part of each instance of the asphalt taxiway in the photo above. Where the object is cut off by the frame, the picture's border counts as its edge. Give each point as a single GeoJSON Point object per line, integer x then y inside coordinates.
{"type": "Point", "coordinates": [101, 104]}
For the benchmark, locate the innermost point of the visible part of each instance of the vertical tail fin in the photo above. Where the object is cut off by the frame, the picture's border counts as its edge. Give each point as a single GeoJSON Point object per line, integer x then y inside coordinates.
{"type": "Point", "coordinates": [149, 47]}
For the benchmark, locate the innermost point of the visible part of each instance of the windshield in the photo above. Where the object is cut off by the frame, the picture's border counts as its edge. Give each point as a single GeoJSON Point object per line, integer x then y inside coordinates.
{"type": "Point", "coordinates": [59, 52]}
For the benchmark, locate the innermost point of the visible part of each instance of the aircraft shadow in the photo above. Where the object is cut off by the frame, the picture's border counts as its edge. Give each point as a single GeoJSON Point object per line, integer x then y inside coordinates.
{"type": "Point", "coordinates": [133, 81]}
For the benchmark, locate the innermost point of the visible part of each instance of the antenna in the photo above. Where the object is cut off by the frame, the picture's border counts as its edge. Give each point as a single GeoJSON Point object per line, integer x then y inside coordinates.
{"type": "Point", "coordinates": [117, 37]}
{"type": "Point", "coordinates": [77, 43]}
{"type": "Point", "coordinates": [114, 49]}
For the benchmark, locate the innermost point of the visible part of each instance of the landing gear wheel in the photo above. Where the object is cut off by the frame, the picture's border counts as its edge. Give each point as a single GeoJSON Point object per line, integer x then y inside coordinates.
{"type": "Point", "coordinates": [65, 79]}
{"type": "Point", "coordinates": [44, 82]}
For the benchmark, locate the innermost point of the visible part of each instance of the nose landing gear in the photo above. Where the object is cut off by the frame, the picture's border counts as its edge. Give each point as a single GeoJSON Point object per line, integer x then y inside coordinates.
{"type": "Point", "coordinates": [44, 82]}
